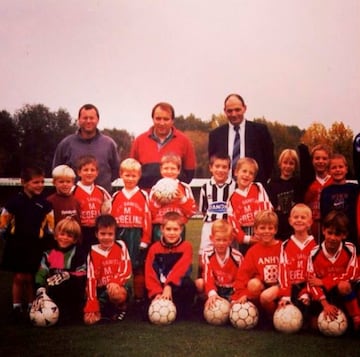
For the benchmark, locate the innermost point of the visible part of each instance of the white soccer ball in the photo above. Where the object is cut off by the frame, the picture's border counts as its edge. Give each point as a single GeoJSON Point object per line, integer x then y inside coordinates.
{"type": "Point", "coordinates": [336, 327]}
{"type": "Point", "coordinates": [165, 190]}
{"type": "Point", "coordinates": [47, 314]}
{"type": "Point", "coordinates": [288, 319]}
{"type": "Point", "coordinates": [162, 312]}
{"type": "Point", "coordinates": [244, 316]}
{"type": "Point", "coordinates": [218, 313]}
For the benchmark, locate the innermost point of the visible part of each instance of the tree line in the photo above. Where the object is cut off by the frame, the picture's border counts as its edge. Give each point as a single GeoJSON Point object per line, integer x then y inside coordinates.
{"type": "Point", "coordinates": [31, 134]}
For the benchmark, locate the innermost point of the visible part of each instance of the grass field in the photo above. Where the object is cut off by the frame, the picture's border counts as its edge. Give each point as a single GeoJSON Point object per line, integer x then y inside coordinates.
{"type": "Point", "coordinates": [134, 337]}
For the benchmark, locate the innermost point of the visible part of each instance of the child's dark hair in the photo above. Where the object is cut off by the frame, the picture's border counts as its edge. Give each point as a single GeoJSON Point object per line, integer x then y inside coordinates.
{"type": "Point", "coordinates": [105, 220]}
{"type": "Point", "coordinates": [219, 157]}
{"type": "Point", "coordinates": [85, 160]}
{"type": "Point", "coordinates": [28, 173]}
{"type": "Point", "coordinates": [336, 220]}
{"type": "Point", "coordinates": [172, 216]}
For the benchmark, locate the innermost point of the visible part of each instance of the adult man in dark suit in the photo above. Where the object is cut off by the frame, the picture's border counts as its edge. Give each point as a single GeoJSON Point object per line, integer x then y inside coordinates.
{"type": "Point", "coordinates": [255, 139]}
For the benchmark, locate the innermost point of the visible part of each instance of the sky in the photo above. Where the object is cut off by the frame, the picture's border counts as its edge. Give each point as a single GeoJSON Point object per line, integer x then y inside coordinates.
{"type": "Point", "coordinates": [294, 62]}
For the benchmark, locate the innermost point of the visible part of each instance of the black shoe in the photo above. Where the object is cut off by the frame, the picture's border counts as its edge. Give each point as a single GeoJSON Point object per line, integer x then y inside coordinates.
{"type": "Point", "coordinates": [119, 316]}
{"type": "Point", "coordinates": [17, 315]}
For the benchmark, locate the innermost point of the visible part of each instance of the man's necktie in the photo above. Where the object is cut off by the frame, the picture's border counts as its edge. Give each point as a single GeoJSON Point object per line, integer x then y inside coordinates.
{"type": "Point", "coordinates": [236, 148]}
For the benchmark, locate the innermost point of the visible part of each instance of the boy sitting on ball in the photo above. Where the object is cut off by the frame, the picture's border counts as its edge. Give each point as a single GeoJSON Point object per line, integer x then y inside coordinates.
{"type": "Point", "coordinates": [108, 270]}
{"type": "Point", "coordinates": [219, 264]}
{"type": "Point", "coordinates": [168, 266]}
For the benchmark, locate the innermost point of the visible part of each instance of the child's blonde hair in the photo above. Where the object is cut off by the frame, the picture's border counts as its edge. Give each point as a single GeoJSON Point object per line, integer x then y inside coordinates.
{"type": "Point", "coordinates": [70, 226]}
{"type": "Point", "coordinates": [338, 156]}
{"type": "Point", "coordinates": [63, 171]}
{"type": "Point", "coordinates": [321, 147]}
{"type": "Point", "coordinates": [266, 217]}
{"type": "Point", "coordinates": [173, 158]}
{"type": "Point", "coordinates": [130, 165]}
{"type": "Point", "coordinates": [247, 160]}
{"type": "Point", "coordinates": [289, 154]}
{"type": "Point", "coordinates": [302, 207]}
{"type": "Point", "coordinates": [222, 226]}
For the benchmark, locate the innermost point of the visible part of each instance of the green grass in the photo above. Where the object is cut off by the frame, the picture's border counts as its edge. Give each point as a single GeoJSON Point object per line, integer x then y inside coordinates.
{"type": "Point", "coordinates": [134, 337]}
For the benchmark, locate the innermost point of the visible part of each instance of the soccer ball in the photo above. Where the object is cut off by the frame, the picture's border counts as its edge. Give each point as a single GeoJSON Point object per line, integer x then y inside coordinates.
{"type": "Point", "coordinates": [288, 319]}
{"type": "Point", "coordinates": [162, 312]}
{"type": "Point", "coordinates": [47, 314]}
{"type": "Point", "coordinates": [244, 316]}
{"type": "Point", "coordinates": [336, 327]}
{"type": "Point", "coordinates": [165, 190]}
{"type": "Point", "coordinates": [218, 313]}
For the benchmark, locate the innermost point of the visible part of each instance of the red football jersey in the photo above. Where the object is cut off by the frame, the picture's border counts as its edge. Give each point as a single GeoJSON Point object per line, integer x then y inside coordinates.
{"type": "Point", "coordinates": [260, 261]}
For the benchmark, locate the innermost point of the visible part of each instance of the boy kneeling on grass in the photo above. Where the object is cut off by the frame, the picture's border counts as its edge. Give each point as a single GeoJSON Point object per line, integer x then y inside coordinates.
{"type": "Point", "coordinates": [333, 270]}
{"type": "Point", "coordinates": [257, 277]}
{"type": "Point", "coordinates": [62, 271]}
{"type": "Point", "coordinates": [219, 264]}
{"type": "Point", "coordinates": [168, 266]}
{"type": "Point", "coordinates": [108, 270]}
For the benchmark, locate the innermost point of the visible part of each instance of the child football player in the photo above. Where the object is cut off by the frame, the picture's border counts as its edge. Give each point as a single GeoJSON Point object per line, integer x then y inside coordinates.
{"type": "Point", "coordinates": [341, 195]}
{"type": "Point", "coordinates": [333, 269]}
{"type": "Point", "coordinates": [214, 195]}
{"type": "Point", "coordinates": [62, 272]}
{"type": "Point", "coordinates": [320, 156]}
{"type": "Point", "coordinates": [220, 264]}
{"type": "Point", "coordinates": [183, 202]}
{"type": "Point", "coordinates": [63, 202]}
{"type": "Point", "coordinates": [94, 199]}
{"type": "Point", "coordinates": [130, 207]}
{"type": "Point", "coordinates": [248, 199]}
{"type": "Point", "coordinates": [294, 255]}
{"type": "Point", "coordinates": [257, 277]}
{"type": "Point", "coordinates": [168, 266]}
{"type": "Point", "coordinates": [285, 190]}
{"type": "Point", "coordinates": [108, 270]}
{"type": "Point", "coordinates": [27, 222]}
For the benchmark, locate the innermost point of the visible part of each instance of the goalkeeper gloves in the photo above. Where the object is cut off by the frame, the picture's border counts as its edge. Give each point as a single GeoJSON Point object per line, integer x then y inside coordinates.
{"type": "Point", "coordinates": [58, 278]}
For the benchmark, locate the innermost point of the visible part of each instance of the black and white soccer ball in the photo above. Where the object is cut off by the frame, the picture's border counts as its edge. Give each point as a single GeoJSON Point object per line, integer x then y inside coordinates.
{"type": "Point", "coordinates": [162, 312]}
{"type": "Point", "coordinates": [336, 327]}
{"type": "Point", "coordinates": [288, 319]}
{"type": "Point", "coordinates": [165, 189]}
{"type": "Point", "coordinates": [218, 313]}
{"type": "Point", "coordinates": [44, 314]}
{"type": "Point", "coordinates": [244, 316]}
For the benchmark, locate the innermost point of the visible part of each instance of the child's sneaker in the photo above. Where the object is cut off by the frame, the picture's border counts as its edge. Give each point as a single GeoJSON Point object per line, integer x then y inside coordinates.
{"type": "Point", "coordinates": [119, 316]}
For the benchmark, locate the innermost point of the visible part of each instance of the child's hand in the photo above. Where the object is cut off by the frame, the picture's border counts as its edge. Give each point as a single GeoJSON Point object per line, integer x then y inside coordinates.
{"type": "Point", "coordinates": [179, 194]}
{"type": "Point", "coordinates": [162, 200]}
{"type": "Point", "coordinates": [166, 294]}
{"type": "Point", "coordinates": [40, 297]}
{"type": "Point", "coordinates": [314, 281]}
{"type": "Point", "coordinates": [254, 239]}
{"type": "Point", "coordinates": [106, 207]}
{"type": "Point", "coordinates": [330, 311]}
{"type": "Point", "coordinates": [113, 289]}
{"type": "Point", "coordinates": [91, 318]}
{"type": "Point", "coordinates": [210, 302]}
